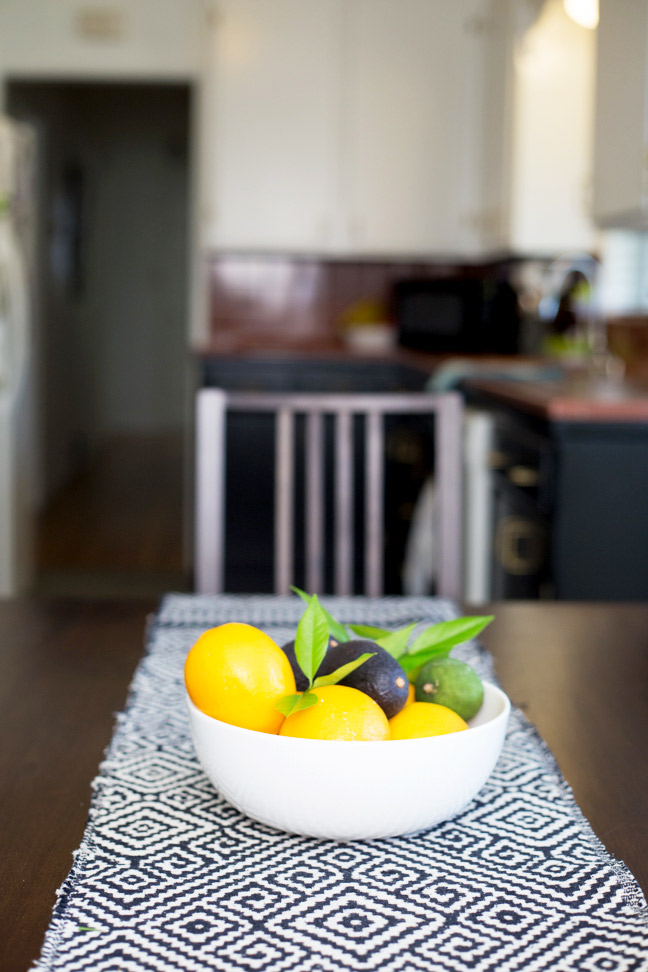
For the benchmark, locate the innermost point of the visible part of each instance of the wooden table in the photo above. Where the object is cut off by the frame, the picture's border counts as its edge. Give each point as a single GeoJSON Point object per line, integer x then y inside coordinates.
{"type": "Point", "coordinates": [580, 672]}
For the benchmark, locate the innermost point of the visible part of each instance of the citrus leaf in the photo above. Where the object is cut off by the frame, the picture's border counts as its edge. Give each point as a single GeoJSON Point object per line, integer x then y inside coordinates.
{"type": "Point", "coordinates": [395, 642]}
{"type": "Point", "coordinates": [447, 634]}
{"type": "Point", "coordinates": [337, 630]}
{"type": "Point", "coordinates": [305, 702]}
{"type": "Point", "coordinates": [294, 703]}
{"type": "Point", "coordinates": [342, 671]}
{"type": "Point", "coordinates": [287, 704]}
{"type": "Point", "coordinates": [438, 640]}
{"type": "Point", "coordinates": [413, 663]}
{"type": "Point", "coordinates": [367, 631]}
{"type": "Point", "coordinates": [311, 642]}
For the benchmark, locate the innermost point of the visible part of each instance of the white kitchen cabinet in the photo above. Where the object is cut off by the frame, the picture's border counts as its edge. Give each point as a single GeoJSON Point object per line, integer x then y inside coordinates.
{"type": "Point", "coordinates": [270, 122]}
{"type": "Point", "coordinates": [621, 127]}
{"type": "Point", "coordinates": [341, 127]}
{"type": "Point", "coordinates": [398, 128]}
{"type": "Point", "coordinates": [410, 147]}
{"type": "Point", "coordinates": [538, 111]}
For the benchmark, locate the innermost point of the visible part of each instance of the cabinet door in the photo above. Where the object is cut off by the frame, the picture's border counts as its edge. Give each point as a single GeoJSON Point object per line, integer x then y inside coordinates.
{"type": "Point", "coordinates": [621, 137]}
{"type": "Point", "coordinates": [409, 125]}
{"type": "Point", "coordinates": [270, 117]}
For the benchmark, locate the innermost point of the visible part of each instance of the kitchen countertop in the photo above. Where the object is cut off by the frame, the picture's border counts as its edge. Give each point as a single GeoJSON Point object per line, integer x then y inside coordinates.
{"type": "Point", "coordinates": [573, 398]}
{"type": "Point", "coordinates": [246, 345]}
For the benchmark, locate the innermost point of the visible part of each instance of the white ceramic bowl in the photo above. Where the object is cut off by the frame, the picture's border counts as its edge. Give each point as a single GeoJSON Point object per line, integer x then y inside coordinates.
{"type": "Point", "coordinates": [351, 790]}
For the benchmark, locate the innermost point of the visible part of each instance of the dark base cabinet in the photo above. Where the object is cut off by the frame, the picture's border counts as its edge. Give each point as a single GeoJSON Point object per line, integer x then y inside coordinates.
{"type": "Point", "coordinates": [600, 546]}
{"type": "Point", "coordinates": [570, 510]}
{"type": "Point", "coordinates": [521, 555]}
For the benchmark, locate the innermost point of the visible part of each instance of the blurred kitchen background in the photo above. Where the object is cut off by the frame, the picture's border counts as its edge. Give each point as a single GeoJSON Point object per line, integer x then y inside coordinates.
{"type": "Point", "coordinates": [322, 194]}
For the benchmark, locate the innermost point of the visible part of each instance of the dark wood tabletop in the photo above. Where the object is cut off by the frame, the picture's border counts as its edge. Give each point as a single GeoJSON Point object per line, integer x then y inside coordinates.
{"type": "Point", "coordinates": [579, 672]}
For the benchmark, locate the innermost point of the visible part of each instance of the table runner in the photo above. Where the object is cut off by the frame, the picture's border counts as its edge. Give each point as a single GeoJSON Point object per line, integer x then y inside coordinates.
{"type": "Point", "coordinates": [171, 877]}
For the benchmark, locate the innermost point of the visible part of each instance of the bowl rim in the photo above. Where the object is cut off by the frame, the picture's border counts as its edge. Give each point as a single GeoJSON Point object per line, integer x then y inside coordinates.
{"type": "Point", "coordinates": [501, 716]}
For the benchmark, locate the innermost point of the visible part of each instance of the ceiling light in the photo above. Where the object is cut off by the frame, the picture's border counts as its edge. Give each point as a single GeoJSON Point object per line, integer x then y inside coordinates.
{"type": "Point", "coordinates": [584, 12]}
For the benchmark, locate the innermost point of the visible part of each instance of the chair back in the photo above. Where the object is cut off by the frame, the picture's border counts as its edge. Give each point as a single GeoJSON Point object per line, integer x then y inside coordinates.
{"type": "Point", "coordinates": [213, 407]}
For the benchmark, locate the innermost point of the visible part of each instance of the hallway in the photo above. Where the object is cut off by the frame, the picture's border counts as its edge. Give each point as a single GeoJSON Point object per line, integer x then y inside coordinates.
{"type": "Point", "coordinates": [116, 528]}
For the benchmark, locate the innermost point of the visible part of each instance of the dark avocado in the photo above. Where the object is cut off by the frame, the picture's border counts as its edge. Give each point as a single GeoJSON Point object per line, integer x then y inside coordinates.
{"type": "Point", "coordinates": [300, 679]}
{"type": "Point", "coordinates": [380, 677]}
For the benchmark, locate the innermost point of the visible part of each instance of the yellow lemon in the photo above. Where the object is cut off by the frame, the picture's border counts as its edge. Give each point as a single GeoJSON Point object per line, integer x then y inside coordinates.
{"type": "Point", "coordinates": [341, 712]}
{"type": "Point", "coordinates": [237, 673]}
{"type": "Point", "coordinates": [425, 719]}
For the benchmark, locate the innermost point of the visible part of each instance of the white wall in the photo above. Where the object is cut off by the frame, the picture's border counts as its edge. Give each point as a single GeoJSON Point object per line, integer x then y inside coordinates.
{"type": "Point", "coordinates": [137, 38]}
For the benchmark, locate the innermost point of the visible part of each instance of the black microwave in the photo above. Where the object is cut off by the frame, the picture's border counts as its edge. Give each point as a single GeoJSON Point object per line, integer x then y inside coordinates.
{"type": "Point", "coordinates": [456, 314]}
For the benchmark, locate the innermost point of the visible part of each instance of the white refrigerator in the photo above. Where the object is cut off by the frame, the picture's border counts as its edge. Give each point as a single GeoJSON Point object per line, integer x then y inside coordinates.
{"type": "Point", "coordinates": [17, 425]}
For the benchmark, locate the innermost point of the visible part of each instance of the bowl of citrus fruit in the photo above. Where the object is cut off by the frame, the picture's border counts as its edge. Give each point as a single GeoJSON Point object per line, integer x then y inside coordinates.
{"type": "Point", "coordinates": [347, 732]}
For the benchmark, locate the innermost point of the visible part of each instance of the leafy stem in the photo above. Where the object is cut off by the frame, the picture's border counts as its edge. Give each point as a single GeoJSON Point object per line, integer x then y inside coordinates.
{"type": "Point", "coordinates": [311, 645]}
{"type": "Point", "coordinates": [438, 640]}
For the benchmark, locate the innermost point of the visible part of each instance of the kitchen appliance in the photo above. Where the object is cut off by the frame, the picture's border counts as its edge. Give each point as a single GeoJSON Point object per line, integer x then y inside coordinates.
{"type": "Point", "coordinates": [508, 501]}
{"type": "Point", "coordinates": [17, 439]}
{"type": "Point", "coordinates": [467, 314]}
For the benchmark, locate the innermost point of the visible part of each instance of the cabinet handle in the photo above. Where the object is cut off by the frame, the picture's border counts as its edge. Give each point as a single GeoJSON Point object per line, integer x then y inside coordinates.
{"type": "Point", "coordinates": [520, 545]}
{"type": "Point", "coordinates": [497, 459]}
{"type": "Point", "coordinates": [523, 475]}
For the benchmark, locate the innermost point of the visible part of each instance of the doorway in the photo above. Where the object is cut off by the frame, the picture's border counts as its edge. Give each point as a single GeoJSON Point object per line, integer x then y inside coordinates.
{"type": "Point", "coordinates": [112, 366]}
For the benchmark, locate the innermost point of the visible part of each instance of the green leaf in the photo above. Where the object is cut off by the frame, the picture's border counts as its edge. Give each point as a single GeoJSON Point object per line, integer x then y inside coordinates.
{"type": "Point", "coordinates": [337, 630]}
{"type": "Point", "coordinates": [342, 671]}
{"type": "Point", "coordinates": [287, 703]}
{"type": "Point", "coordinates": [311, 642]}
{"type": "Point", "coordinates": [412, 664]}
{"type": "Point", "coordinates": [367, 631]}
{"type": "Point", "coordinates": [307, 699]}
{"type": "Point", "coordinates": [395, 642]}
{"type": "Point", "coordinates": [448, 634]}
{"type": "Point", "coordinates": [438, 640]}
{"type": "Point", "coordinates": [294, 703]}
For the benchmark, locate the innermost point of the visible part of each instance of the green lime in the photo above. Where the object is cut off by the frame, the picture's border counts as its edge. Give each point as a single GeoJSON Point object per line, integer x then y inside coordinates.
{"type": "Point", "coordinates": [450, 682]}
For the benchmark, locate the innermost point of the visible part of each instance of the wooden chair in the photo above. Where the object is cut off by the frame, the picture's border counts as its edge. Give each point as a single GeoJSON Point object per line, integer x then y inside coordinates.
{"type": "Point", "coordinates": [213, 407]}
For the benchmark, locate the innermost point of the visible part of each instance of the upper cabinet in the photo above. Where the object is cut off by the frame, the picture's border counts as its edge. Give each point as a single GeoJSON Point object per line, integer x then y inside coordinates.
{"type": "Point", "coordinates": [396, 128]}
{"type": "Point", "coordinates": [410, 134]}
{"type": "Point", "coordinates": [621, 132]}
{"type": "Point", "coordinates": [538, 90]}
{"type": "Point", "coordinates": [270, 124]}
{"type": "Point", "coordinates": [340, 126]}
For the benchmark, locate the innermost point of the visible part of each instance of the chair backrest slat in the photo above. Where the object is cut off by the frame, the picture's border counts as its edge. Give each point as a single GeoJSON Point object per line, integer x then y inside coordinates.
{"type": "Point", "coordinates": [210, 490]}
{"type": "Point", "coordinates": [374, 504]}
{"type": "Point", "coordinates": [284, 492]}
{"type": "Point", "coordinates": [343, 525]}
{"type": "Point", "coordinates": [314, 501]}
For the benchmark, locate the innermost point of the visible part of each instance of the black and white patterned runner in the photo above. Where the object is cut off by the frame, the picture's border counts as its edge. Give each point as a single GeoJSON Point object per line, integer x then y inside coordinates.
{"type": "Point", "coordinates": [170, 877]}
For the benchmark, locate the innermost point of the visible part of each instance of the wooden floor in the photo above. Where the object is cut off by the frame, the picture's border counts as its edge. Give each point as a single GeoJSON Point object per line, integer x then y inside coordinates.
{"type": "Point", "coordinates": [117, 526]}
